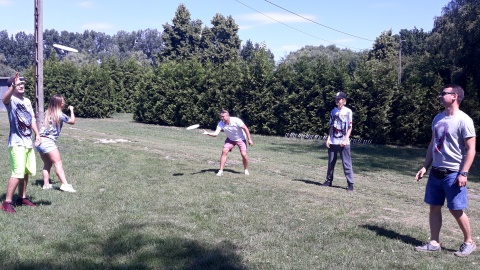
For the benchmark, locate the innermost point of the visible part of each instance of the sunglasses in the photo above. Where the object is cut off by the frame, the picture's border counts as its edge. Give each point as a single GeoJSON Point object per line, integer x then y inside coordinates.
{"type": "Point", "coordinates": [446, 93]}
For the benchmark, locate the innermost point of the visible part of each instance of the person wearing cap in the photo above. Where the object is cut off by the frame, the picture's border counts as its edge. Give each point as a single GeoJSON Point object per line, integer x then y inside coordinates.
{"type": "Point", "coordinates": [338, 141]}
{"type": "Point", "coordinates": [237, 133]}
{"type": "Point", "coordinates": [450, 153]}
{"type": "Point", "coordinates": [22, 156]}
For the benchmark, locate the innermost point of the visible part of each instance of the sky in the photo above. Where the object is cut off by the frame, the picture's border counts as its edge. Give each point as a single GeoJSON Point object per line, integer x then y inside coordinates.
{"type": "Point", "coordinates": [282, 25]}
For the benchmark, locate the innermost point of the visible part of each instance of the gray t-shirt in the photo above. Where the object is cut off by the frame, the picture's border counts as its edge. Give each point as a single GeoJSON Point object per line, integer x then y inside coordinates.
{"type": "Point", "coordinates": [21, 117]}
{"type": "Point", "coordinates": [340, 121]}
{"type": "Point", "coordinates": [449, 134]}
{"type": "Point", "coordinates": [53, 131]}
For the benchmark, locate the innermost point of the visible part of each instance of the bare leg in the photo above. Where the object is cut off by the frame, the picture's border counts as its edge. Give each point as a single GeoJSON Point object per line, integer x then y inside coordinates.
{"type": "Point", "coordinates": [223, 158]}
{"type": "Point", "coordinates": [244, 160]}
{"type": "Point", "coordinates": [22, 187]}
{"type": "Point", "coordinates": [435, 218]}
{"type": "Point", "coordinates": [464, 223]}
{"type": "Point", "coordinates": [55, 159]}
{"type": "Point", "coordinates": [11, 186]}
{"type": "Point", "coordinates": [47, 165]}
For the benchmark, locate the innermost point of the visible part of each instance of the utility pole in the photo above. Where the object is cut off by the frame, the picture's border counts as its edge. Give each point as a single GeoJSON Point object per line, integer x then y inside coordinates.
{"type": "Point", "coordinates": [400, 63]}
{"type": "Point", "coordinates": [38, 62]}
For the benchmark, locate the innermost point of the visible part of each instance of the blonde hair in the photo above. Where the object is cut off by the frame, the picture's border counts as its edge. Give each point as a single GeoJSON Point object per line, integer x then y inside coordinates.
{"type": "Point", "coordinates": [54, 111]}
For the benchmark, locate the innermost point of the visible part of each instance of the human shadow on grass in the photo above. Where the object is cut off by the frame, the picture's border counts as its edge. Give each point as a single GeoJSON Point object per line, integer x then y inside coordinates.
{"type": "Point", "coordinates": [130, 246]}
{"type": "Point", "coordinates": [32, 198]}
{"type": "Point", "coordinates": [310, 182]}
{"type": "Point", "coordinates": [216, 170]}
{"type": "Point", "coordinates": [396, 236]}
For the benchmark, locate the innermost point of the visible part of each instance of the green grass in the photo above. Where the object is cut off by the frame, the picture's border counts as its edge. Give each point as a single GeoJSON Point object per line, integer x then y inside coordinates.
{"type": "Point", "coordinates": [154, 202]}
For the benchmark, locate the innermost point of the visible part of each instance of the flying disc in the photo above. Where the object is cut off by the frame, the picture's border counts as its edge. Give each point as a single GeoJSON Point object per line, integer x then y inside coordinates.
{"type": "Point", "coordinates": [193, 127]}
{"type": "Point", "coordinates": [65, 48]}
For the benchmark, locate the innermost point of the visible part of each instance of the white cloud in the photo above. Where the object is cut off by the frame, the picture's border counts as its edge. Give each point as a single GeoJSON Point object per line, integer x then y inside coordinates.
{"type": "Point", "coordinates": [6, 3]}
{"type": "Point", "coordinates": [271, 17]}
{"type": "Point", "coordinates": [84, 4]}
{"type": "Point", "coordinates": [97, 26]}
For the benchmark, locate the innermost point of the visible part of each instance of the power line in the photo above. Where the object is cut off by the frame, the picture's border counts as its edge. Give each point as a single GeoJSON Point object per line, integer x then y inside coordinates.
{"type": "Point", "coordinates": [317, 22]}
{"type": "Point", "coordinates": [296, 29]}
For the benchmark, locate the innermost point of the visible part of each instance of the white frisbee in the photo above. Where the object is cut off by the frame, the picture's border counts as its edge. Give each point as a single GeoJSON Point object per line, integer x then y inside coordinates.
{"type": "Point", "coordinates": [65, 48]}
{"type": "Point", "coordinates": [193, 126]}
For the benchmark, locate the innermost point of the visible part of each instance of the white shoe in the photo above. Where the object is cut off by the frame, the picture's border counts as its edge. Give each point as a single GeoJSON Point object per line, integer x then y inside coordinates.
{"type": "Point", "coordinates": [220, 173]}
{"type": "Point", "coordinates": [246, 172]}
{"type": "Point", "coordinates": [67, 188]}
{"type": "Point", "coordinates": [50, 186]}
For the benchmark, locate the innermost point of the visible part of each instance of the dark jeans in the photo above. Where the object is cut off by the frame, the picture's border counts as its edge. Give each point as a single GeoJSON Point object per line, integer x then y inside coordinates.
{"type": "Point", "coordinates": [346, 160]}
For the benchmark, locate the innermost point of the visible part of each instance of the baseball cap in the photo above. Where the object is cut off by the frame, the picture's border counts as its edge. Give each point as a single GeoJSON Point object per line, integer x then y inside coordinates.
{"type": "Point", "coordinates": [341, 95]}
{"type": "Point", "coordinates": [11, 80]}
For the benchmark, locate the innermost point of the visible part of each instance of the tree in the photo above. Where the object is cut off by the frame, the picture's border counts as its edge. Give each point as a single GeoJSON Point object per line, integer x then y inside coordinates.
{"type": "Point", "coordinates": [181, 40]}
{"type": "Point", "coordinates": [226, 40]}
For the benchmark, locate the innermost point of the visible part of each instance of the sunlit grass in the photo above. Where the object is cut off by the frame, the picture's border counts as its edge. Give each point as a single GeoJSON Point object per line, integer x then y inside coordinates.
{"type": "Point", "coordinates": [148, 198]}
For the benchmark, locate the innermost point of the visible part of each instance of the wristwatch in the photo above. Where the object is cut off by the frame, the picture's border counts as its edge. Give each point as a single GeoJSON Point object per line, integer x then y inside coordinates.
{"type": "Point", "coordinates": [464, 174]}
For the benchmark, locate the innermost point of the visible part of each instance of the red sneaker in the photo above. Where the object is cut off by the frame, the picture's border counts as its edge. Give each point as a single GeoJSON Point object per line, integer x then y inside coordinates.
{"type": "Point", "coordinates": [8, 207]}
{"type": "Point", "coordinates": [25, 201]}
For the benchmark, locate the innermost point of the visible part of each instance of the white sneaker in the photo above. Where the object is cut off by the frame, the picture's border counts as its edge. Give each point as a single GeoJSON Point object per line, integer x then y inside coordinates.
{"type": "Point", "coordinates": [220, 173]}
{"type": "Point", "coordinates": [67, 188]}
{"type": "Point", "coordinates": [246, 172]}
{"type": "Point", "coordinates": [50, 186]}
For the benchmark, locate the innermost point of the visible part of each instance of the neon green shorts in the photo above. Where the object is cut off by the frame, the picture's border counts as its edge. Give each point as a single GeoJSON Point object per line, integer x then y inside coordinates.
{"type": "Point", "coordinates": [23, 161]}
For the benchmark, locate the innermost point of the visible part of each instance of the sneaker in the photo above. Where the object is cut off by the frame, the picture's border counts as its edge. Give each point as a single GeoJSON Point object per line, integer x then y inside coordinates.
{"type": "Point", "coordinates": [24, 201]}
{"type": "Point", "coordinates": [428, 248]}
{"type": "Point", "coordinates": [246, 172]}
{"type": "Point", "coordinates": [350, 187]}
{"type": "Point", "coordinates": [49, 186]}
{"type": "Point", "coordinates": [465, 249]}
{"type": "Point", "coordinates": [8, 207]}
{"type": "Point", "coordinates": [67, 188]}
{"type": "Point", "coordinates": [327, 184]}
{"type": "Point", "coordinates": [220, 173]}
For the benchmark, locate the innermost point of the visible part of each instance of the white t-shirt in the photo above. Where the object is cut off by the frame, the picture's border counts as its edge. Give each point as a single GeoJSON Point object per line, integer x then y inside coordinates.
{"type": "Point", "coordinates": [234, 130]}
{"type": "Point", "coordinates": [449, 134]}
{"type": "Point", "coordinates": [340, 121]}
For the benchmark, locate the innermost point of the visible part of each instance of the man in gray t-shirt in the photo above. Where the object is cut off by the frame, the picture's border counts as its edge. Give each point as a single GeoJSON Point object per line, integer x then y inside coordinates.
{"type": "Point", "coordinates": [451, 153]}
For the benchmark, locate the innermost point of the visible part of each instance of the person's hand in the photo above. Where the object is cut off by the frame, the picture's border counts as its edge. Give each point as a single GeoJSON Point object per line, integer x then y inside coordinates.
{"type": "Point", "coordinates": [38, 141]}
{"type": "Point", "coordinates": [70, 108]}
{"type": "Point", "coordinates": [17, 79]}
{"type": "Point", "coordinates": [343, 143]}
{"type": "Point", "coordinates": [328, 143]}
{"type": "Point", "coordinates": [205, 132]}
{"type": "Point", "coordinates": [420, 174]}
{"type": "Point", "coordinates": [461, 180]}
{"type": "Point", "coordinates": [250, 142]}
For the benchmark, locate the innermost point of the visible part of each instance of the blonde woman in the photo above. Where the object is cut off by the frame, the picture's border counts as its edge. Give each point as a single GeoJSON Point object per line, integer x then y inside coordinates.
{"type": "Point", "coordinates": [49, 132]}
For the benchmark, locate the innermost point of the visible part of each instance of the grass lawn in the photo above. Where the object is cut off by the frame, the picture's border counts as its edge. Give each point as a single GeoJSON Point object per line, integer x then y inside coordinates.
{"type": "Point", "coordinates": [148, 198]}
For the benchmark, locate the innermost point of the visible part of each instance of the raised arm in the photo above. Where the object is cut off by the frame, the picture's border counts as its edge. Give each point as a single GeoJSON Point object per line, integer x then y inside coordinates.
{"type": "Point", "coordinates": [8, 94]}
{"type": "Point", "coordinates": [72, 116]}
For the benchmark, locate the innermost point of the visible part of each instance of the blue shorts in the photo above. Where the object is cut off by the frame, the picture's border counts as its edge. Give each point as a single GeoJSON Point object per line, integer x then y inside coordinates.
{"type": "Point", "coordinates": [439, 189]}
{"type": "Point", "coordinates": [46, 146]}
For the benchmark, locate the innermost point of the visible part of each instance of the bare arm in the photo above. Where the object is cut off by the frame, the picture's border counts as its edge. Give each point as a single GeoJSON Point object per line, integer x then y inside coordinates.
{"type": "Point", "coordinates": [37, 134]}
{"type": "Point", "coordinates": [426, 163]}
{"type": "Point", "coordinates": [247, 132]}
{"type": "Point", "coordinates": [72, 116]}
{"type": "Point", "coordinates": [213, 134]}
{"type": "Point", "coordinates": [329, 136]}
{"type": "Point", "coordinates": [467, 163]}
{"type": "Point", "coordinates": [8, 95]}
{"type": "Point", "coordinates": [347, 137]}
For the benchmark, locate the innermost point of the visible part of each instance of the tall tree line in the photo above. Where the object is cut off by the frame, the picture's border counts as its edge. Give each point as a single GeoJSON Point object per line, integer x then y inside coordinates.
{"type": "Point", "coordinates": [190, 71]}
